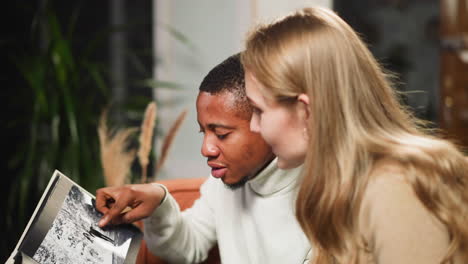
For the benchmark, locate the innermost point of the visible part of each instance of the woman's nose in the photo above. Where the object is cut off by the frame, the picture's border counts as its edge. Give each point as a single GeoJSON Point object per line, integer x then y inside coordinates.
{"type": "Point", "coordinates": [254, 124]}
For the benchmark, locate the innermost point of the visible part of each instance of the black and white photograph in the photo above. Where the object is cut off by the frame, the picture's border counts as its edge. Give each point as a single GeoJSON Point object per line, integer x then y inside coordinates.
{"type": "Point", "coordinates": [75, 237]}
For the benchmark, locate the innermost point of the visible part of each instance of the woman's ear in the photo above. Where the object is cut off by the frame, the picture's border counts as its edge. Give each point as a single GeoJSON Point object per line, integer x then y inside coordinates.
{"type": "Point", "coordinates": [304, 106]}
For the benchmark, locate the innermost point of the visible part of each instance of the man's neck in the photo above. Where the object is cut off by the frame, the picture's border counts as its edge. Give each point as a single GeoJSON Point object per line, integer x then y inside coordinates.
{"type": "Point", "coordinates": [265, 164]}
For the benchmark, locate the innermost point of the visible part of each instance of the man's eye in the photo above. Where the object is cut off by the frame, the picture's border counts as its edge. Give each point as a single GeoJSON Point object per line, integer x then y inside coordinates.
{"type": "Point", "coordinates": [223, 136]}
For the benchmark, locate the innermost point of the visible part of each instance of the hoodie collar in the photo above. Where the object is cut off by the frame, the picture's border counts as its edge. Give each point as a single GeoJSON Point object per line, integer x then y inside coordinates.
{"type": "Point", "coordinates": [272, 179]}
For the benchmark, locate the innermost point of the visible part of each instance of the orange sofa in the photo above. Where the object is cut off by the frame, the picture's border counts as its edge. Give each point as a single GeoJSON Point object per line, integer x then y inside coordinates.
{"type": "Point", "coordinates": [185, 192]}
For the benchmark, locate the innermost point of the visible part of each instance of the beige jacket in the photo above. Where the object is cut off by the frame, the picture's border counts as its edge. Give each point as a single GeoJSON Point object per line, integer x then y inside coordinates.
{"type": "Point", "coordinates": [396, 227]}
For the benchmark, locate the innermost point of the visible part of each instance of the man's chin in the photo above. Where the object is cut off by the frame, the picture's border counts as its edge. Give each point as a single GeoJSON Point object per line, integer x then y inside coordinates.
{"type": "Point", "coordinates": [236, 185]}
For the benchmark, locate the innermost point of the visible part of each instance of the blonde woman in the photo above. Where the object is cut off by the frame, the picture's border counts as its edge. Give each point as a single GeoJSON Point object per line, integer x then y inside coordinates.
{"type": "Point", "coordinates": [376, 188]}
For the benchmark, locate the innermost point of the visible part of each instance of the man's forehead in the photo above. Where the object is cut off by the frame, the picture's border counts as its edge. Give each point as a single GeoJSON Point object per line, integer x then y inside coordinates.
{"type": "Point", "coordinates": [220, 110]}
{"type": "Point", "coordinates": [224, 94]}
{"type": "Point", "coordinates": [225, 102]}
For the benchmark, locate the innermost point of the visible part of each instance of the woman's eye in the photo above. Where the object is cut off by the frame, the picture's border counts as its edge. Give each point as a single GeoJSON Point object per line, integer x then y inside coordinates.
{"type": "Point", "coordinates": [257, 111]}
{"type": "Point", "coordinates": [257, 114]}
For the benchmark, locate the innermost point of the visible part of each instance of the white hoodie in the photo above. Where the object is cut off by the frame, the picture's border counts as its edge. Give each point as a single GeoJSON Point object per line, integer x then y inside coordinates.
{"type": "Point", "coordinates": [253, 224]}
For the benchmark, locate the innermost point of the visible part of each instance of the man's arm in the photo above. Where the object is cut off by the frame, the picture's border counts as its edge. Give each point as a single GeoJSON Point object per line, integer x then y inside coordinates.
{"type": "Point", "coordinates": [183, 237]}
{"type": "Point", "coordinates": [129, 203]}
{"type": "Point", "coordinates": [177, 237]}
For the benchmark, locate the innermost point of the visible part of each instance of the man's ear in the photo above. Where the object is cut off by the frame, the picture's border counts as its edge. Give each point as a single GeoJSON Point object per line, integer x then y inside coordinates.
{"type": "Point", "coordinates": [303, 100]}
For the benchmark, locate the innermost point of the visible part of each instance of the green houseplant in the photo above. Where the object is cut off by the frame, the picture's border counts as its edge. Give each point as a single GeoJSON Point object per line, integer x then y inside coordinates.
{"type": "Point", "coordinates": [67, 91]}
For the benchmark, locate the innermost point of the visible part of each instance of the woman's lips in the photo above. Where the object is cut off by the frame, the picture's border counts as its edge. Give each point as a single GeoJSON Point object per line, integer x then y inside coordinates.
{"type": "Point", "coordinates": [218, 172]}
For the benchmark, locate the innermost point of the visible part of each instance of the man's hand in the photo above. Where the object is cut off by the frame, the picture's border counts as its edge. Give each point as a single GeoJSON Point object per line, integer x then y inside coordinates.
{"type": "Point", "coordinates": [128, 203]}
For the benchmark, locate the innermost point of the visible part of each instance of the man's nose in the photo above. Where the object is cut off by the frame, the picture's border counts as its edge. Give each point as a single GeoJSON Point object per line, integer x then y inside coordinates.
{"type": "Point", "coordinates": [209, 148]}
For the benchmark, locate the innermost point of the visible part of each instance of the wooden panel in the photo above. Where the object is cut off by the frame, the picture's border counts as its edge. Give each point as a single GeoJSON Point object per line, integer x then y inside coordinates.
{"type": "Point", "coordinates": [454, 70]}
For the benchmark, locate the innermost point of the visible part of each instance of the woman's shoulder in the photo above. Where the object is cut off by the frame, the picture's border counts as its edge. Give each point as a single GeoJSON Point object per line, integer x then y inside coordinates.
{"type": "Point", "coordinates": [389, 187]}
{"type": "Point", "coordinates": [387, 175]}
{"type": "Point", "coordinates": [392, 216]}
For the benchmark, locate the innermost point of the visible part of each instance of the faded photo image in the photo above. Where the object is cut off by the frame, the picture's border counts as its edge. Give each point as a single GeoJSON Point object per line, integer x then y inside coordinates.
{"type": "Point", "coordinates": [75, 237]}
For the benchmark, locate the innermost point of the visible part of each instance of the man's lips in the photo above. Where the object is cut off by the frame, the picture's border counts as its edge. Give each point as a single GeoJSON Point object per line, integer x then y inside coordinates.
{"type": "Point", "coordinates": [217, 170]}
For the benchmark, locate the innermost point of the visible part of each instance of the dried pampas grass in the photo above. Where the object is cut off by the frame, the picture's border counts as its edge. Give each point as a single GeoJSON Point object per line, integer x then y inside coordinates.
{"type": "Point", "coordinates": [115, 157]}
{"type": "Point", "coordinates": [168, 139]}
{"type": "Point", "coordinates": [146, 138]}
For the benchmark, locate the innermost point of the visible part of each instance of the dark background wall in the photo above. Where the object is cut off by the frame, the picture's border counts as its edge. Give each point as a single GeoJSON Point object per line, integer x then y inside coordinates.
{"type": "Point", "coordinates": [93, 21]}
{"type": "Point", "coordinates": [404, 36]}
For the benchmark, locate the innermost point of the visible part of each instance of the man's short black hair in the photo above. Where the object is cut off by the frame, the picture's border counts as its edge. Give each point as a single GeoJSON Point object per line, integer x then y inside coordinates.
{"type": "Point", "coordinates": [228, 76]}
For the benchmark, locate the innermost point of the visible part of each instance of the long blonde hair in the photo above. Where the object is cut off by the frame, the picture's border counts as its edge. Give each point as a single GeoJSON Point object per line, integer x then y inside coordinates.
{"type": "Point", "coordinates": [356, 119]}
